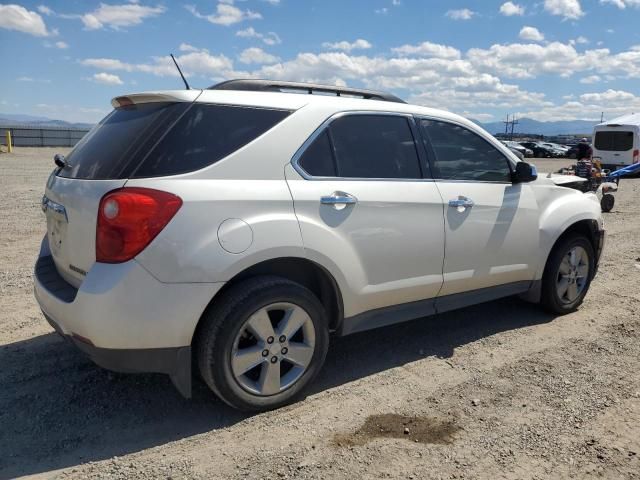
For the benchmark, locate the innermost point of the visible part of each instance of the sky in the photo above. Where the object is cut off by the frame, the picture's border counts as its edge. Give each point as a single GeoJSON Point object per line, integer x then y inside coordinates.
{"type": "Point", "coordinates": [546, 59]}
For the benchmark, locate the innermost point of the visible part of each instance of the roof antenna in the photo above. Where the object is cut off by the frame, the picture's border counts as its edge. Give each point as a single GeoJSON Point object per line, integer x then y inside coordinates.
{"type": "Point", "coordinates": [180, 72]}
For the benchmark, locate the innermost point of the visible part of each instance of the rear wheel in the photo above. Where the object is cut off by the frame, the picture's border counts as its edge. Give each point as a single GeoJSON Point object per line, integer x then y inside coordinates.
{"type": "Point", "coordinates": [568, 274]}
{"type": "Point", "coordinates": [262, 343]}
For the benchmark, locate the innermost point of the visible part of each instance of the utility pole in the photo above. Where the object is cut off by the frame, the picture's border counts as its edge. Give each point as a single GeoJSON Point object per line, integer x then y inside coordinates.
{"type": "Point", "coordinates": [514, 122]}
{"type": "Point", "coordinates": [601, 117]}
{"type": "Point", "coordinates": [506, 126]}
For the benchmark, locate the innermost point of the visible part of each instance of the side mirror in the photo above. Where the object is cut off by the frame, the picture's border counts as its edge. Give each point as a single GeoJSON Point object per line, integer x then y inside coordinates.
{"type": "Point", "coordinates": [525, 172]}
{"type": "Point", "coordinates": [58, 159]}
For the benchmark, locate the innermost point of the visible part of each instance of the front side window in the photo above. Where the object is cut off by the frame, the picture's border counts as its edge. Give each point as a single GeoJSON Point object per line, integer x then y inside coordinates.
{"type": "Point", "coordinates": [364, 146]}
{"type": "Point", "coordinates": [614, 141]}
{"type": "Point", "coordinates": [461, 154]}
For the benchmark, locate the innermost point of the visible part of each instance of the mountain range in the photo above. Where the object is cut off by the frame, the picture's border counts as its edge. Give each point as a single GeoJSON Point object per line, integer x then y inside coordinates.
{"type": "Point", "coordinates": [525, 125]}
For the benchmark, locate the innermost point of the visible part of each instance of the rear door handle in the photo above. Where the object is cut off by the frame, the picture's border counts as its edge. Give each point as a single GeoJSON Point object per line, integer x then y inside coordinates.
{"type": "Point", "coordinates": [338, 200]}
{"type": "Point", "coordinates": [461, 202]}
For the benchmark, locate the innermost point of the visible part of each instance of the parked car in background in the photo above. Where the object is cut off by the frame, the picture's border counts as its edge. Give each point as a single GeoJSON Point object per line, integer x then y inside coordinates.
{"type": "Point", "coordinates": [573, 151]}
{"type": "Point", "coordinates": [236, 228]}
{"type": "Point", "coordinates": [539, 150]}
{"type": "Point", "coordinates": [516, 147]}
{"type": "Point", "coordinates": [559, 150]}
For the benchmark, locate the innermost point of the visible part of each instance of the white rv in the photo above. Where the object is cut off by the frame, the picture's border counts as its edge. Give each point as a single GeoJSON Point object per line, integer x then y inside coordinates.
{"type": "Point", "coordinates": [616, 143]}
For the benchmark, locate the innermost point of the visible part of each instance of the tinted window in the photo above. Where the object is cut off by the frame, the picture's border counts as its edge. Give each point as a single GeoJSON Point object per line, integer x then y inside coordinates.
{"type": "Point", "coordinates": [206, 134]}
{"type": "Point", "coordinates": [614, 141]}
{"type": "Point", "coordinates": [374, 146]}
{"type": "Point", "coordinates": [461, 154]}
{"type": "Point", "coordinates": [318, 160]}
{"type": "Point", "coordinates": [109, 148]}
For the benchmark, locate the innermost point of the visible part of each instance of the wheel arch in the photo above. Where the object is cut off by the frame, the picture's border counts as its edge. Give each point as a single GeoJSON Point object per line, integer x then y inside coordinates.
{"type": "Point", "coordinates": [300, 270]}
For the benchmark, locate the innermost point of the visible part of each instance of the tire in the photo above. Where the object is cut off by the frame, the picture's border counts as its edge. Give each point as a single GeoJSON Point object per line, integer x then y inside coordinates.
{"type": "Point", "coordinates": [235, 335]}
{"type": "Point", "coordinates": [551, 299]}
{"type": "Point", "coordinates": [607, 202]}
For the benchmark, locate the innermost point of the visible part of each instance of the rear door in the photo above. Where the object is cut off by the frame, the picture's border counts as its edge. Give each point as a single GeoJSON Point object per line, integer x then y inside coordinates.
{"type": "Point", "coordinates": [491, 225]}
{"type": "Point", "coordinates": [616, 145]}
{"type": "Point", "coordinates": [366, 204]}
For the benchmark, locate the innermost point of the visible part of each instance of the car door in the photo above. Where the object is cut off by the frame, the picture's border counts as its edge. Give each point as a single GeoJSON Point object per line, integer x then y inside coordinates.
{"type": "Point", "coordinates": [369, 212]}
{"type": "Point", "coordinates": [491, 224]}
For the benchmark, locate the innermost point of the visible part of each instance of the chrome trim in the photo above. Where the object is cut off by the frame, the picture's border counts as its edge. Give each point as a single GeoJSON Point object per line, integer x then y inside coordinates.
{"type": "Point", "coordinates": [338, 198]}
{"type": "Point", "coordinates": [57, 209]}
{"type": "Point", "coordinates": [323, 126]}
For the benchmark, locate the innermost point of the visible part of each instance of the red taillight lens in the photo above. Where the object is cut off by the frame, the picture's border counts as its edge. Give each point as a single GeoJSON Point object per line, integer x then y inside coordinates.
{"type": "Point", "coordinates": [129, 218]}
{"type": "Point", "coordinates": [636, 156]}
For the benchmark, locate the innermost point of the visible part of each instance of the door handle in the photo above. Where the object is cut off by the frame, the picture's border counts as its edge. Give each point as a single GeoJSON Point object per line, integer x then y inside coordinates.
{"type": "Point", "coordinates": [461, 202]}
{"type": "Point", "coordinates": [338, 200]}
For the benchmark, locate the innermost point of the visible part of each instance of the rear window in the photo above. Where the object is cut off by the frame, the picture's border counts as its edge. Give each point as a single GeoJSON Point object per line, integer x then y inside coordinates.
{"type": "Point", "coordinates": [112, 145]}
{"type": "Point", "coordinates": [159, 139]}
{"type": "Point", "coordinates": [614, 141]}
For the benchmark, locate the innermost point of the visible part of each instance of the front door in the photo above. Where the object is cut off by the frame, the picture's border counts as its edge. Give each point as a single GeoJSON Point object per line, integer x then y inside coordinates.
{"type": "Point", "coordinates": [491, 224]}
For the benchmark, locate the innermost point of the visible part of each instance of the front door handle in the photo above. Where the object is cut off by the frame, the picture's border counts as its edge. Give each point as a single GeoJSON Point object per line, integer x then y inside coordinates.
{"type": "Point", "coordinates": [461, 202]}
{"type": "Point", "coordinates": [338, 200]}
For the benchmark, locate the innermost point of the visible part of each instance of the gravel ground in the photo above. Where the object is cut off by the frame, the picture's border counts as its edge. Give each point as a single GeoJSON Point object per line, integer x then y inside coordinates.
{"type": "Point", "coordinates": [495, 391]}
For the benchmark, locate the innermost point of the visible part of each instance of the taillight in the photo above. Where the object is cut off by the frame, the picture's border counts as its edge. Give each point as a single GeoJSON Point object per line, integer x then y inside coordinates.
{"type": "Point", "coordinates": [129, 219]}
{"type": "Point", "coordinates": [636, 156]}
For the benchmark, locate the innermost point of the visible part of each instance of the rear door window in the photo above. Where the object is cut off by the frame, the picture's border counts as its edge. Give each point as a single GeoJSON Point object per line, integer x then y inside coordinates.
{"type": "Point", "coordinates": [614, 141]}
{"type": "Point", "coordinates": [205, 135]}
{"type": "Point", "coordinates": [364, 146]}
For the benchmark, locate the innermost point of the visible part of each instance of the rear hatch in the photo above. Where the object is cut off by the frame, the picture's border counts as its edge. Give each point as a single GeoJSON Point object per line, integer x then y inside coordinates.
{"type": "Point", "coordinates": [102, 161]}
{"type": "Point", "coordinates": [616, 145]}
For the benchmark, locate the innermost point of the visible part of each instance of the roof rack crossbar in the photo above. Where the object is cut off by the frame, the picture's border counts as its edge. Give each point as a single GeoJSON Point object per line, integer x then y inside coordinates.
{"type": "Point", "coordinates": [255, 85]}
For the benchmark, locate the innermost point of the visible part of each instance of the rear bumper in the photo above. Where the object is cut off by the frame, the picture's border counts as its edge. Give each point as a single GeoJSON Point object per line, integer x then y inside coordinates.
{"type": "Point", "coordinates": [123, 317]}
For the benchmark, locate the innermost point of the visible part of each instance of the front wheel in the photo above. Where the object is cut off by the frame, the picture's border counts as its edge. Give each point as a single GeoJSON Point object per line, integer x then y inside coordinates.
{"type": "Point", "coordinates": [262, 343]}
{"type": "Point", "coordinates": [567, 275]}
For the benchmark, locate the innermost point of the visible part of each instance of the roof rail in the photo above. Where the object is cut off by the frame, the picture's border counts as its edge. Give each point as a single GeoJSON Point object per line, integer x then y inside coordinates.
{"type": "Point", "coordinates": [255, 85]}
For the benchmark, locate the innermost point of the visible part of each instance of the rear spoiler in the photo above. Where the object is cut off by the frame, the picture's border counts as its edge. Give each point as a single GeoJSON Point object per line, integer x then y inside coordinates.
{"type": "Point", "coordinates": [155, 97]}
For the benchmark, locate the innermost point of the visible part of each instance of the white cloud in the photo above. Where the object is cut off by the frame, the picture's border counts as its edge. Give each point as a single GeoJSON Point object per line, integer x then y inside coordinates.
{"type": "Point", "coordinates": [531, 34]}
{"type": "Point", "coordinates": [509, 9]}
{"type": "Point", "coordinates": [226, 14]}
{"type": "Point", "coordinates": [269, 38]}
{"type": "Point", "coordinates": [199, 62]}
{"type": "Point", "coordinates": [61, 45]}
{"type": "Point", "coordinates": [579, 41]}
{"type": "Point", "coordinates": [106, 78]}
{"type": "Point", "coordinates": [569, 9]}
{"type": "Point", "coordinates": [382, 11]}
{"type": "Point", "coordinates": [272, 2]}
{"type": "Point", "coordinates": [257, 56]}
{"type": "Point", "coordinates": [461, 14]}
{"type": "Point", "coordinates": [590, 79]}
{"type": "Point", "coordinates": [15, 17]}
{"type": "Point", "coordinates": [345, 46]}
{"type": "Point", "coordinates": [45, 10]}
{"type": "Point", "coordinates": [117, 16]}
{"type": "Point", "coordinates": [428, 49]}
{"type": "Point", "coordinates": [185, 47]}
{"type": "Point", "coordinates": [622, 4]}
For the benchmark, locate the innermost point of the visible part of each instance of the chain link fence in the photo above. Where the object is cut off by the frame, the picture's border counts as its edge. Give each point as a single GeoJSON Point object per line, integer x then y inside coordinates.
{"type": "Point", "coordinates": [33, 136]}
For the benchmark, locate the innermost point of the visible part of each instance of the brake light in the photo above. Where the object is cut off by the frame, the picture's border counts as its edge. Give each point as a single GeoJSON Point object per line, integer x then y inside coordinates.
{"type": "Point", "coordinates": [129, 219]}
{"type": "Point", "coordinates": [636, 156]}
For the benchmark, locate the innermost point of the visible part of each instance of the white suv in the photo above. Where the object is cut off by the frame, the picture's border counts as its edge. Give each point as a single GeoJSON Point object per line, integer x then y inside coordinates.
{"type": "Point", "coordinates": [241, 225]}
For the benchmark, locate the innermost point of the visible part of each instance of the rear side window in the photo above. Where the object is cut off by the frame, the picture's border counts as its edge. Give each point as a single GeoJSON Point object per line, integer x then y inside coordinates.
{"type": "Point", "coordinates": [614, 141]}
{"type": "Point", "coordinates": [111, 146]}
{"type": "Point", "coordinates": [158, 139]}
{"type": "Point", "coordinates": [206, 134]}
{"type": "Point", "coordinates": [364, 146]}
{"type": "Point", "coordinates": [461, 154]}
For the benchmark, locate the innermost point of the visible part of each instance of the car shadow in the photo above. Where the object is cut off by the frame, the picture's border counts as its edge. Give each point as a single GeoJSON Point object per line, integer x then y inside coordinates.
{"type": "Point", "coordinates": [59, 410]}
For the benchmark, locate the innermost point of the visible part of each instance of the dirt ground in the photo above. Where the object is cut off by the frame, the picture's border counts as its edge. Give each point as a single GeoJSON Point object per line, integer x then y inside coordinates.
{"type": "Point", "coordinates": [495, 391]}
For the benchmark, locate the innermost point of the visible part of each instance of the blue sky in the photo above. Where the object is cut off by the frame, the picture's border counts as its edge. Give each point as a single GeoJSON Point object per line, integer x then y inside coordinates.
{"type": "Point", "coordinates": [548, 59]}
